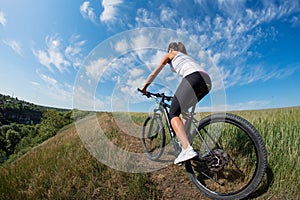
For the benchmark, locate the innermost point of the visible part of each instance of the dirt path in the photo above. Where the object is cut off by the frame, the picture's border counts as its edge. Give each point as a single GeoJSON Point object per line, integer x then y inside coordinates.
{"type": "Point", "coordinates": [175, 184]}
{"type": "Point", "coordinates": [171, 179]}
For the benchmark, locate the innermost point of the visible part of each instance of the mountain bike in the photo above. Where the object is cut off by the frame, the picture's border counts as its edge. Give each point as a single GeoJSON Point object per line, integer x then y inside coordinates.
{"type": "Point", "coordinates": [232, 157]}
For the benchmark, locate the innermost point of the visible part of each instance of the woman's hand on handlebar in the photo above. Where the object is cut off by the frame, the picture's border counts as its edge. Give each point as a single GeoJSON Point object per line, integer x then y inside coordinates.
{"type": "Point", "coordinates": [144, 89]}
{"type": "Point", "coordinates": [146, 93]}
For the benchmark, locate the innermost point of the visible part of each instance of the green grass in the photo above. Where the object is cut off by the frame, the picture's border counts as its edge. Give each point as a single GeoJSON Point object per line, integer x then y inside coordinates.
{"type": "Point", "coordinates": [61, 168]}
{"type": "Point", "coordinates": [280, 129]}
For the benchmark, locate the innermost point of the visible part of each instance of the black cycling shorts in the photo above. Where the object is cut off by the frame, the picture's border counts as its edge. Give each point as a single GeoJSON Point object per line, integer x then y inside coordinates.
{"type": "Point", "coordinates": [192, 89]}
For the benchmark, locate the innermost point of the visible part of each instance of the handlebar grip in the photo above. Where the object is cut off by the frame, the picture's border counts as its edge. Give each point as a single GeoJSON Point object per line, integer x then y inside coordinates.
{"type": "Point", "coordinates": [148, 94]}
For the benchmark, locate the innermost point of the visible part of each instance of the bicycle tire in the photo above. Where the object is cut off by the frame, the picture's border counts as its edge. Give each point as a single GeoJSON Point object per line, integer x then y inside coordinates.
{"type": "Point", "coordinates": [153, 138]}
{"type": "Point", "coordinates": [206, 177]}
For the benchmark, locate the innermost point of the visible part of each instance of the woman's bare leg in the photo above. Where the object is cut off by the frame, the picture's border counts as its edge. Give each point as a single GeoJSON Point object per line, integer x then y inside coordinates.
{"type": "Point", "coordinates": [178, 127]}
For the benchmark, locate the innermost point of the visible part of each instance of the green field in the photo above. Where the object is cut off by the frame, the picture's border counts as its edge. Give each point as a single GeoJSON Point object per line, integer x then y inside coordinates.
{"type": "Point", "coordinates": [61, 168]}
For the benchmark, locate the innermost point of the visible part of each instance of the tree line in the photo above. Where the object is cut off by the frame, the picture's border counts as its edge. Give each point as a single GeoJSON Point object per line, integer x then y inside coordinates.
{"type": "Point", "coordinates": [24, 125]}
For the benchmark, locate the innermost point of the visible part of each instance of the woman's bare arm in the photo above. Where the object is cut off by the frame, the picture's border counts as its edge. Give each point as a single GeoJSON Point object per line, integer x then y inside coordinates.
{"type": "Point", "coordinates": [166, 59]}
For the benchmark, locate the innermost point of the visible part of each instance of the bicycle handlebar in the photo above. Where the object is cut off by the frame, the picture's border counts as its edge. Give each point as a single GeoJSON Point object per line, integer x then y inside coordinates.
{"type": "Point", "coordinates": [157, 95]}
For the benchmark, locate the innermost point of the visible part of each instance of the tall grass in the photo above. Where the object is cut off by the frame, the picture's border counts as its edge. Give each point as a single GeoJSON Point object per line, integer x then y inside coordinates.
{"type": "Point", "coordinates": [280, 129]}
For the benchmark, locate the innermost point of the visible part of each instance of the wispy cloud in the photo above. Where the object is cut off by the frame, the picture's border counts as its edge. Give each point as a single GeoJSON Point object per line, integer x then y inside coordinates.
{"type": "Point", "coordinates": [96, 67]}
{"type": "Point", "coordinates": [53, 55]}
{"type": "Point", "coordinates": [49, 80]}
{"type": "Point", "coordinates": [121, 46]}
{"type": "Point", "coordinates": [110, 10]}
{"type": "Point", "coordinates": [2, 19]}
{"type": "Point", "coordinates": [74, 50]}
{"type": "Point", "coordinates": [59, 55]}
{"type": "Point", "coordinates": [15, 46]}
{"type": "Point", "coordinates": [87, 12]}
{"type": "Point", "coordinates": [146, 17]}
{"type": "Point", "coordinates": [229, 34]}
{"type": "Point", "coordinates": [55, 90]}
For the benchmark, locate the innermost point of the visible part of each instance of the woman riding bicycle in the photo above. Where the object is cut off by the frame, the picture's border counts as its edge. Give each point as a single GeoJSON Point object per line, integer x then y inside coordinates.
{"type": "Point", "coordinates": [194, 86]}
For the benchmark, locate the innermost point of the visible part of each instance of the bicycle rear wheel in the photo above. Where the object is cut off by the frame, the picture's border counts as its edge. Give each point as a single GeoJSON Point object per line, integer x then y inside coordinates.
{"type": "Point", "coordinates": [153, 137]}
{"type": "Point", "coordinates": [232, 160]}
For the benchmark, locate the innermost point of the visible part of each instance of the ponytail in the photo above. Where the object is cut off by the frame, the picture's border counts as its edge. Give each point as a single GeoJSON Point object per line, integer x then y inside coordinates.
{"type": "Point", "coordinates": [177, 47]}
{"type": "Point", "coordinates": [181, 48]}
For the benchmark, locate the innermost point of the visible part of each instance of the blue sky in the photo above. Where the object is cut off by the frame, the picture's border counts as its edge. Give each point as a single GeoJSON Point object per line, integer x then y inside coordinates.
{"type": "Point", "coordinates": [94, 54]}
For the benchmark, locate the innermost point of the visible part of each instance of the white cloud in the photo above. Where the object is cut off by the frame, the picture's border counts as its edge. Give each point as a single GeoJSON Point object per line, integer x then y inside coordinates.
{"type": "Point", "coordinates": [295, 21]}
{"type": "Point", "coordinates": [34, 83]}
{"type": "Point", "coordinates": [96, 67]}
{"type": "Point", "coordinates": [121, 46]}
{"type": "Point", "coordinates": [110, 10]}
{"type": "Point", "coordinates": [136, 72]}
{"type": "Point", "coordinates": [139, 42]}
{"type": "Point", "coordinates": [55, 91]}
{"type": "Point", "coordinates": [87, 12]}
{"type": "Point", "coordinates": [85, 100]}
{"type": "Point", "coordinates": [59, 55]}
{"type": "Point", "coordinates": [2, 19]}
{"type": "Point", "coordinates": [244, 76]}
{"type": "Point", "coordinates": [48, 80]}
{"type": "Point", "coordinates": [145, 17]}
{"type": "Point", "coordinates": [229, 34]}
{"type": "Point", "coordinates": [15, 46]}
{"type": "Point", "coordinates": [131, 85]}
{"type": "Point", "coordinates": [167, 14]}
{"type": "Point", "coordinates": [53, 55]}
{"type": "Point", "coordinates": [73, 51]}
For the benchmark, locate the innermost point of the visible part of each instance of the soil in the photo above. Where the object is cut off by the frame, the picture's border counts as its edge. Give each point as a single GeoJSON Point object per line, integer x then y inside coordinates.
{"type": "Point", "coordinates": [175, 184]}
{"type": "Point", "coordinates": [172, 180]}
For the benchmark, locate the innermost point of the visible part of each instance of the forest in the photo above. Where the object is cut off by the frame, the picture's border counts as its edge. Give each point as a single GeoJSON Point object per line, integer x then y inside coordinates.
{"type": "Point", "coordinates": [24, 125]}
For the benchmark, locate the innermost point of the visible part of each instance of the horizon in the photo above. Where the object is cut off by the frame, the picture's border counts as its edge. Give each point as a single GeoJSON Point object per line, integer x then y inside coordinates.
{"type": "Point", "coordinates": [288, 107]}
{"type": "Point", "coordinates": [94, 55]}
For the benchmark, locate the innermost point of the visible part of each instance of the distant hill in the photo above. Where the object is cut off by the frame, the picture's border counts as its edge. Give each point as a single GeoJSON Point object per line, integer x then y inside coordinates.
{"type": "Point", "coordinates": [13, 110]}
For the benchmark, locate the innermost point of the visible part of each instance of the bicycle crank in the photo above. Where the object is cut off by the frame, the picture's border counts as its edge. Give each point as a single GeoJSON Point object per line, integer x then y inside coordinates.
{"type": "Point", "coordinates": [217, 160]}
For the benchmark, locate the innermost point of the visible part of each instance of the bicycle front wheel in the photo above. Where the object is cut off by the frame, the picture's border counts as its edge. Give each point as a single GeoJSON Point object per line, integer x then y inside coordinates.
{"type": "Point", "coordinates": [153, 137]}
{"type": "Point", "coordinates": [232, 157]}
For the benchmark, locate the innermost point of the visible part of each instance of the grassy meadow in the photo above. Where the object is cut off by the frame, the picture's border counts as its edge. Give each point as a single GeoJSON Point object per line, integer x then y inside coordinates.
{"type": "Point", "coordinates": [61, 168]}
{"type": "Point", "coordinates": [280, 129]}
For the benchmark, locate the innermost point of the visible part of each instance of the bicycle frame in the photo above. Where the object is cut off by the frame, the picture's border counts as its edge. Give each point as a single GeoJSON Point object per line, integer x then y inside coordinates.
{"type": "Point", "coordinates": [189, 117]}
{"type": "Point", "coordinates": [163, 108]}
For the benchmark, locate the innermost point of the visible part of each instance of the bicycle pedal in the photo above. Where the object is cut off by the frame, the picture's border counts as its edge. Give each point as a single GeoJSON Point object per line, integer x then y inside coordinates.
{"type": "Point", "coordinates": [180, 164]}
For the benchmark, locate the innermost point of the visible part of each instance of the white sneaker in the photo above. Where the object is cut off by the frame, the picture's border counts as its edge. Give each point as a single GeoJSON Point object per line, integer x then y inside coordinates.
{"type": "Point", "coordinates": [186, 154]}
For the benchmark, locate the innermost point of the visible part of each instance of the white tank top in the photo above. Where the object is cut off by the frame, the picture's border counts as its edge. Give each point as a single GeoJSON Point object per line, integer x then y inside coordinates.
{"type": "Point", "coordinates": [184, 65]}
